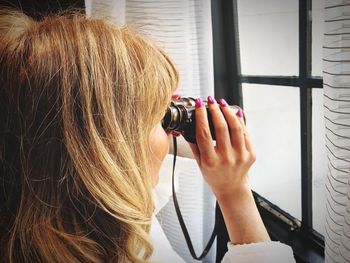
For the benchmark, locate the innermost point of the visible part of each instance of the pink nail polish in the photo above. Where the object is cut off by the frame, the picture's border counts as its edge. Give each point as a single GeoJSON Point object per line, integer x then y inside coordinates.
{"type": "Point", "coordinates": [223, 103]}
{"type": "Point", "coordinates": [239, 113]}
{"type": "Point", "coordinates": [199, 103]}
{"type": "Point", "coordinates": [211, 100]}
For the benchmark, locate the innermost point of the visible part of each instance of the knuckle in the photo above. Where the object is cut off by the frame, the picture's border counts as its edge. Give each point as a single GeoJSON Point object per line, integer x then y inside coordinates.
{"type": "Point", "coordinates": [228, 160]}
{"type": "Point", "coordinates": [239, 159]}
{"type": "Point", "coordinates": [214, 108]}
{"type": "Point", "coordinates": [221, 127]}
{"type": "Point", "coordinates": [203, 133]}
{"type": "Point", "coordinates": [253, 157]}
{"type": "Point", "coordinates": [237, 128]}
{"type": "Point", "coordinates": [210, 162]}
{"type": "Point", "coordinates": [242, 159]}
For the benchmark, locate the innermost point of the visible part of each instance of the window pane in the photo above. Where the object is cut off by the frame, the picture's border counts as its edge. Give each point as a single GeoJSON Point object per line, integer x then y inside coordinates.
{"type": "Point", "coordinates": [268, 33]}
{"type": "Point", "coordinates": [273, 121]}
{"type": "Point", "coordinates": [317, 36]}
{"type": "Point", "coordinates": [319, 159]}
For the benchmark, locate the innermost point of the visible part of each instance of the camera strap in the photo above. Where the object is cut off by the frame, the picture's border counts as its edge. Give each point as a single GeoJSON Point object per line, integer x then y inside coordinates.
{"type": "Point", "coordinates": [181, 220]}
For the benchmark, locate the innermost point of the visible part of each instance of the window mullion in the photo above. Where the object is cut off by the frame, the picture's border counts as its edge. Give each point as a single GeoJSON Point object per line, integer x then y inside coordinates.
{"type": "Point", "coordinates": [227, 62]}
{"type": "Point", "coordinates": [305, 7]}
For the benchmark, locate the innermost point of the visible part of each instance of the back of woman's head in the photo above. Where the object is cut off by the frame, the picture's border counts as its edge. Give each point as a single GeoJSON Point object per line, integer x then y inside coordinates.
{"type": "Point", "coordinates": [78, 99]}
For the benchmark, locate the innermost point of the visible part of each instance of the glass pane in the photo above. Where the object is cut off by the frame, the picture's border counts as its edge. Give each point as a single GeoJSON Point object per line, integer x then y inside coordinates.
{"type": "Point", "coordinates": [319, 159]}
{"type": "Point", "coordinates": [268, 33]}
{"type": "Point", "coordinates": [273, 121]}
{"type": "Point", "coordinates": [317, 36]}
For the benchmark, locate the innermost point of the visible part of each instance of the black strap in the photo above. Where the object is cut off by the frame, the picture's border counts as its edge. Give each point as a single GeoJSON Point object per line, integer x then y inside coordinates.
{"type": "Point", "coordinates": [181, 221]}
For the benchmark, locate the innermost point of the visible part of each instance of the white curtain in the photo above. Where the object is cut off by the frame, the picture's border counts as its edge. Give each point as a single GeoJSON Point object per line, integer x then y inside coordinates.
{"type": "Point", "coordinates": [183, 29]}
{"type": "Point", "coordinates": [336, 77]}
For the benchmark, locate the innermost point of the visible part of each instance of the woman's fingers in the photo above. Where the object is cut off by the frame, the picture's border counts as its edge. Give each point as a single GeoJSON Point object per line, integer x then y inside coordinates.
{"type": "Point", "coordinates": [235, 126]}
{"type": "Point", "coordinates": [248, 144]}
{"type": "Point", "coordinates": [220, 126]}
{"type": "Point", "coordinates": [195, 151]}
{"type": "Point", "coordinates": [230, 130]}
{"type": "Point", "coordinates": [203, 135]}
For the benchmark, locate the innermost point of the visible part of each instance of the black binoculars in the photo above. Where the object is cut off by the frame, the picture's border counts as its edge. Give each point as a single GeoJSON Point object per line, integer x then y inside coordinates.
{"type": "Point", "coordinates": [180, 117]}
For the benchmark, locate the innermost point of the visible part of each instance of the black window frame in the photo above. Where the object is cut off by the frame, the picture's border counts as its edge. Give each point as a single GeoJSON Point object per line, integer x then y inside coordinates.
{"type": "Point", "coordinates": [307, 244]}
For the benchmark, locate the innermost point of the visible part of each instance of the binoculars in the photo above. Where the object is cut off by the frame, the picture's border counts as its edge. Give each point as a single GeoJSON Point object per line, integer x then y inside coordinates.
{"type": "Point", "coordinates": [180, 117]}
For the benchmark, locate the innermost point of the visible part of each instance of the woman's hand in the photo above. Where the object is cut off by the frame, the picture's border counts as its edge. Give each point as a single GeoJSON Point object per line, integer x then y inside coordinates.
{"type": "Point", "coordinates": [225, 165]}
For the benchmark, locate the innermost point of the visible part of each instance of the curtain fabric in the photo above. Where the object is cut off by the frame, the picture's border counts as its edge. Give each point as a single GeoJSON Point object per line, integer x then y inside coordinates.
{"type": "Point", "coordinates": [183, 29]}
{"type": "Point", "coordinates": [336, 77]}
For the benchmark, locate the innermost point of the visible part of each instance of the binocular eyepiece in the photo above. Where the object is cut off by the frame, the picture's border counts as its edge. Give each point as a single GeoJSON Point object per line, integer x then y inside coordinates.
{"type": "Point", "coordinates": [180, 117]}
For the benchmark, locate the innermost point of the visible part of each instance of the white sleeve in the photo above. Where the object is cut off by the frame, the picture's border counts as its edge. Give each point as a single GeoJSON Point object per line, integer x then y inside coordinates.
{"type": "Point", "coordinates": [264, 252]}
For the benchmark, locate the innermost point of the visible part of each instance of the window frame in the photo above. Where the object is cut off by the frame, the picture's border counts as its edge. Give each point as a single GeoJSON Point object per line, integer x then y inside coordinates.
{"type": "Point", "coordinates": [307, 244]}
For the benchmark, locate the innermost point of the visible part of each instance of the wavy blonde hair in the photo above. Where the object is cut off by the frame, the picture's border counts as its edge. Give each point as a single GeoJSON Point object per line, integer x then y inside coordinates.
{"type": "Point", "coordinates": [78, 100]}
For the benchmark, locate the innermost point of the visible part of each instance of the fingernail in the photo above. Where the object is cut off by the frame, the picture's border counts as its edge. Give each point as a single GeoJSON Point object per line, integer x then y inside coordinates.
{"type": "Point", "coordinates": [223, 103]}
{"type": "Point", "coordinates": [199, 103]}
{"type": "Point", "coordinates": [176, 96]}
{"type": "Point", "coordinates": [211, 100]}
{"type": "Point", "coordinates": [239, 113]}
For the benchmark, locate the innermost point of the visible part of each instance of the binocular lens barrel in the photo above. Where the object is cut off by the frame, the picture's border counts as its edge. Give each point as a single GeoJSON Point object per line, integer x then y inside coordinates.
{"type": "Point", "coordinates": [180, 117]}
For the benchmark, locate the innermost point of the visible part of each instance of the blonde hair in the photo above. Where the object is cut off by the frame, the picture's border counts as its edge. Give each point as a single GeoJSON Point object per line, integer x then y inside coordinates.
{"type": "Point", "coordinates": [78, 100]}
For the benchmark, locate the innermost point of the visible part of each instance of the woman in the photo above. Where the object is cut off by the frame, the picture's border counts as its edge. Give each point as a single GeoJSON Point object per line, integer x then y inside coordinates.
{"type": "Point", "coordinates": [81, 143]}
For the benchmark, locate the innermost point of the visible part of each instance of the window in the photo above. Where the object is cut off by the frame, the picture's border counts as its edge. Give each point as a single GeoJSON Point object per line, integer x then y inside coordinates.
{"type": "Point", "coordinates": [267, 58]}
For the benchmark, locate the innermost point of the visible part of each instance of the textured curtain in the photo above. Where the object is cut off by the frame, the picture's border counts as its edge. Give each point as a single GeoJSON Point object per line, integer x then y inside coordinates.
{"type": "Point", "coordinates": [336, 77]}
{"type": "Point", "coordinates": [183, 29]}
